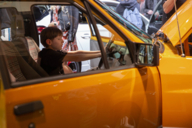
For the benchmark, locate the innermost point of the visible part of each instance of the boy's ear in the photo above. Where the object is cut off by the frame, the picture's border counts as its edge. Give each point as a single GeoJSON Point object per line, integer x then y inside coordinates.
{"type": "Point", "coordinates": [48, 42]}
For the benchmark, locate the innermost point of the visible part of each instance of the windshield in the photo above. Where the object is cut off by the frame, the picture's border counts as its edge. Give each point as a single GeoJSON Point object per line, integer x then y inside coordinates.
{"type": "Point", "coordinates": [128, 25]}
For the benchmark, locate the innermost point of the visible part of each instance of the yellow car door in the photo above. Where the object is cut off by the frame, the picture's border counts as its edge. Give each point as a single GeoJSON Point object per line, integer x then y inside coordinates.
{"type": "Point", "coordinates": [2, 107]}
{"type": "Point", "coordinates": [148, 75]}
{"type": "Point", "coordinates": [175, 69]}
{"type": "Point", "coordinates": [119, 89]}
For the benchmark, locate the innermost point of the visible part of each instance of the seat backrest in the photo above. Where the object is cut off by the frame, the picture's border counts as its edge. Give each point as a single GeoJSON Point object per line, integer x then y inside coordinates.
{"type": "Point", "coordinates": [8, 54]}
{"type": "Point", "coordinates": [18, 33]}
{"type": "Point", "coordinates": [16, 53]}
{"type": "Point", "coordinates": [17, 65]}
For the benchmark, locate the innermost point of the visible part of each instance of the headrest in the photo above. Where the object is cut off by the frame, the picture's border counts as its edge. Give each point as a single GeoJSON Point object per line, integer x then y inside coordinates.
{"type": "Point", "coordinates": [10, 17]}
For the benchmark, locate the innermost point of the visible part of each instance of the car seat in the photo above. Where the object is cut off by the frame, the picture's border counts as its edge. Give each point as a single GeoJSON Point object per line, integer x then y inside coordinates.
{"type": "Point", "coordinates": [6, 18]}
{"type": "Point", "coordinates": [19, 34]}
{"type": "Point", "coordinates": [20, 63]}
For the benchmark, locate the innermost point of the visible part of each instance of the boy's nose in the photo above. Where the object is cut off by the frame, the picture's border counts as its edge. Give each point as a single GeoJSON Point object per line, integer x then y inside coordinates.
{"type": "Point", "coordinates": [62, 41]}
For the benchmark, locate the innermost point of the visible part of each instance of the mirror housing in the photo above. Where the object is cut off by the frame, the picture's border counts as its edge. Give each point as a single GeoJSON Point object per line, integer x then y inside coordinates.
{"type": "Point", "coordinates": [146, 55]}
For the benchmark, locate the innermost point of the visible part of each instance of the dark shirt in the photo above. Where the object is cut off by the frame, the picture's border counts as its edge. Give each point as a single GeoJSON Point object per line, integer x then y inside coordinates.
{"type": "Point", "coordinates": [168, 15]}
{"type": "Point", "coordinates": [51, 61]}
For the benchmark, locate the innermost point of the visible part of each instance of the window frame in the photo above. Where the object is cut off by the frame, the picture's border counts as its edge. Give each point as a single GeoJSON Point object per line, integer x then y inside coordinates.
{"type": "Point", "coordinates": [93, 22]}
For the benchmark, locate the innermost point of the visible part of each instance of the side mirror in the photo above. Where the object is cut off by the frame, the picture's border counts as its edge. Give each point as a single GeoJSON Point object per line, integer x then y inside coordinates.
{"type": "Point", "coordinates": [146, 55]}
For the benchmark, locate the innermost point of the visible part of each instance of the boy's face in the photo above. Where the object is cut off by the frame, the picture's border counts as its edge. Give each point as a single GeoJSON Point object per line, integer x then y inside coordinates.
{"type": "Point", "coordinates": [56, 43]}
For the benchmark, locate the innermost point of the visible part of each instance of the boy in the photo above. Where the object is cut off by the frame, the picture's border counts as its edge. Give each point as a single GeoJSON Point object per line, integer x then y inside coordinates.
{"type": "Point", "coordinates": [52, 56]}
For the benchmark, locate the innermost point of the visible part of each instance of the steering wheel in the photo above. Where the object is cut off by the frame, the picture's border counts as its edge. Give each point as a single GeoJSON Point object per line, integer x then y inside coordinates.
{"type": "Point", "coordinates": [107, 50]}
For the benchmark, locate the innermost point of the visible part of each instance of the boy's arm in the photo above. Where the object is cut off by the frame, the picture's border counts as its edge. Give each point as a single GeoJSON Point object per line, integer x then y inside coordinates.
{"type": "Point", "coordinates": [81, 55]}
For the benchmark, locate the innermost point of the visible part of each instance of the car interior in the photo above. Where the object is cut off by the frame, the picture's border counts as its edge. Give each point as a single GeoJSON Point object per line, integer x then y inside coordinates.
{"type": "Point", "coordinates": [20, 53]}
{"type": "Point", "coordinates": [20, 50]}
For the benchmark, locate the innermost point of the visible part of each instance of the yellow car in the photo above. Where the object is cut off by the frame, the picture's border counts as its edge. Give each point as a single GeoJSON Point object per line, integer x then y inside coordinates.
{"type": "Point", "coordinates": [138, 82]}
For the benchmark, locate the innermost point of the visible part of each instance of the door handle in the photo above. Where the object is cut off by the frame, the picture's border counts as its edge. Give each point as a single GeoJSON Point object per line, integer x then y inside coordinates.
{"type": "Point", "coordinates": [28, 107]}
{"type": "Point", "coordinates": [86, 36]}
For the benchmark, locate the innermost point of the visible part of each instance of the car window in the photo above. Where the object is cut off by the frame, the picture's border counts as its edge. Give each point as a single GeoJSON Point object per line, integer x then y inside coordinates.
{"type": "Point", "coordinates": [131, 27]}
{"type": "Point", "coordinates": [116, 50]}
{"type": "Point", "coordinates": [46, 19]}
{"type": "Point", "coordinates": [21, 51]}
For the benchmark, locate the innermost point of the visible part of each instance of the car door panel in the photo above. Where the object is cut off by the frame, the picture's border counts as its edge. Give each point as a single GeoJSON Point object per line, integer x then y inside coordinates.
{"type": "Point", "coordinates": [176, 90]}
{"type": "Point", "coordinates": [68, 104]}
{"type": "Point", "coordinates": [151, 83]}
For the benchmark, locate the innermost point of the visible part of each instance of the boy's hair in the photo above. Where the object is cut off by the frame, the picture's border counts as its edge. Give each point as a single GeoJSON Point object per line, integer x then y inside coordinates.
{"type": "Point", "coordinates": [49, 33]}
